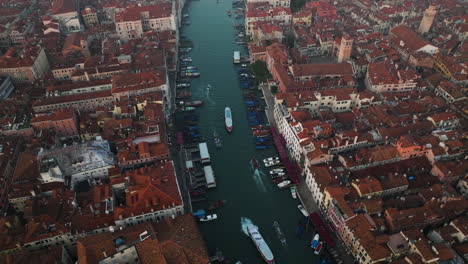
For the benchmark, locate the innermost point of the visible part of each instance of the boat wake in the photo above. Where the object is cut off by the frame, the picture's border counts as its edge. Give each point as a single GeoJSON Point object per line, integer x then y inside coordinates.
{"type": "Point", "coordinates": [258, 177]}
{"type": "Point", "coordinates": [207, 93]}
{"type": "Point", "coordinates": [245, 223]}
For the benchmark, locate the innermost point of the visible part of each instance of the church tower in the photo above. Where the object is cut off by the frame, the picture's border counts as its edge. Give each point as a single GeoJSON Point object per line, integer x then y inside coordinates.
{"type": "Point", "coordinates": [427, 20]}
{"type": "Point", "coordinates": [344, 48]}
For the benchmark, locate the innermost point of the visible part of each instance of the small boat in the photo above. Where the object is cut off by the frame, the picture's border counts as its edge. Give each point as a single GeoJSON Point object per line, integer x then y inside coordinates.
{"type": "Point", "coordinates": [254, 163]}
{"type": "Point", "coordinates": [186, 70]}
{"type": "Point", "coordinates": [183, 85]}
{"type": "Point", "coordinates": [199, 214]}
{"type": "Point", "coordinates": [186, 15]}
{"type": "Point", "coordinates": [216, 205]}
{"type": "Point", "coordinates": [272, 163]}
{"type": "Point", "coordinates": [277, 170]}
{"type": "Point", "coordinates": [209, 218]}
{"type": "Point", "coordinates": [270, 159]}
{"type": "Point", "coordinates": [319, 248]}
{"type": "Point", "coordinates": [217, 139]}
{"type": "Point", "coordinates": [283, 184]}
{"type": "Point", "coordinates": [279, 233]}
{"type": "Point", "coordinates": [277, 178]}
{"type": "Point", "coordinates": [260, 243]}
{"type": "Point", "coordinates": [303, 210]}
{"type": "Point", "coordinates": [192, 74]}
{"type": "Point", "coordinates": [188, 109]}
{"type": "Point", "coordinates": [278, 174]}
{"type": "Point", "coordinates": [228, 119]}
{"type": "Point", "coordinates": [193, 103]}
{"type": "Point", "coordinates": [315, 241]}
{"type": "Point", "coordinates": [293, 192]}
{"type": "Point", "coordinates": [186, 59]}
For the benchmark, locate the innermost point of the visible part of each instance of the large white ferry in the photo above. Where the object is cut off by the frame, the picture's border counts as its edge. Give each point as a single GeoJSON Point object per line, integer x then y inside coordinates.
{"type": "Point", "coordinates": [261, 244]}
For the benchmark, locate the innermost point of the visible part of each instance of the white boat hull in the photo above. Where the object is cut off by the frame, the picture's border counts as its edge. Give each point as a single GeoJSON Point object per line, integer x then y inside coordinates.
{"type": "Point", "coordinates": [228, 119]}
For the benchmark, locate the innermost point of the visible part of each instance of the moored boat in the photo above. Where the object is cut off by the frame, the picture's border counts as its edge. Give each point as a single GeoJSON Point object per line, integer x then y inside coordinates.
{"type": "Point", "coordinates": [209, 218]}
{"type": "Point", "coordinates": [183, 85]}
{"type": "Point", "coordinates": [319, 248]}
{"type": "Point", "coordinates": [228, 119]}
{"type": "Point", "coordinates": [293, 192]}
{"type": "Point", "coordinates": [199, 214]}
{"type": "Point", "coordinates": [193, 103]}
{"type": "Point", "coordinates": [272, 163]}
{"type": "Point", "coordinates": [261, 245]}
{"type": "Point", "coordinates": [270, 159]}
{"type": "Point", "coordinates": [276, 171]}
{"type": "Point", "coordinates": [188, 109]}
{"type": "Point", "coordinates": [315, 241]}
{"type": "Point", "coordinates": [283, 184]}
{"type": "Point", "coordinates": [303, 210]}
{"type": "Point", "coordinates": [192, 74]}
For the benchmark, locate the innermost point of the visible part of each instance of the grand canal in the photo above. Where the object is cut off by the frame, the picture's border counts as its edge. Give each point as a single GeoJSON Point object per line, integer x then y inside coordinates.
{"type": "Point", "coordinates": [249, 195]}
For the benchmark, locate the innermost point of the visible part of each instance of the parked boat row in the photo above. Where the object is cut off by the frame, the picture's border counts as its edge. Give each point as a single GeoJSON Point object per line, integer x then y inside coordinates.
{"type": "Point", "coordinates": [191, 133]}
{"type": "Point", "coordinates": [255, 113]}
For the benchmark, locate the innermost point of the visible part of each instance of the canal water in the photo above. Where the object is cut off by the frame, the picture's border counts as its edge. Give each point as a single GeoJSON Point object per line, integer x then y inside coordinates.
{"type": "Point", "coordinates": [250, 196]}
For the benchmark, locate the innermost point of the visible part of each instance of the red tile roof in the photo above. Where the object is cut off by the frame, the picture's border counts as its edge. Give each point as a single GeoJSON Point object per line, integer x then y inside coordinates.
{"type": "Point", "coordinates": [322, 69]}
{"type": "Point", "coordinates": [407, 38]}
{"type": "Point", "coordinates": [150, 189]}
{"type": "Point", "coordinates": [63, 6]}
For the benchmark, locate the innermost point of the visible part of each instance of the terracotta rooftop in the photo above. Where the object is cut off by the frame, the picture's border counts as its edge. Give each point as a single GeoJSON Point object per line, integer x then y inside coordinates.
{"type": "Point", "coordinates": [127, 82]}
{"type": "Point", "coordinates": [150, 189]}
{"type": "Point", "coordinates": [175, 241]}
{"type": "Point", "coordinates": [153, 12]}
{"type": "Point", "coordinates": [410, 39]}
{"type": "Point", "coordinates": [322, 69]}
{"type": "Point", "coordinates": [63, 6]}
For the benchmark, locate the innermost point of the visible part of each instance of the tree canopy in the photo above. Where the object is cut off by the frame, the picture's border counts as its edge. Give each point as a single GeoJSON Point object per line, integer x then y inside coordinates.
{"type": "Point", "coordinates": [260, 71]}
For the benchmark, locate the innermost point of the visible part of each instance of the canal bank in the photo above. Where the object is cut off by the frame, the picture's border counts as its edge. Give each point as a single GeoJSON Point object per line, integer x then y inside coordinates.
{"type": "Point", "coordinates": [249, 195]}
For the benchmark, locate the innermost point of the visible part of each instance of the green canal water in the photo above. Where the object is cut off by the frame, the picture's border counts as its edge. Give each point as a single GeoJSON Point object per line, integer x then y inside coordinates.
{"type": "Point", "coordinates": [249, 195]}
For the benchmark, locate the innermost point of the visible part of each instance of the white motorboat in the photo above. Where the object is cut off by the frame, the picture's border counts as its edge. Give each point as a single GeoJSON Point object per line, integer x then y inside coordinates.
{"type": "Point", "coordinates": [270, 159]}
{"type": "Point", "coordinates": [272, 163]}
{"type": "Point", "coordinates": [209, 218]}
{"type": "Point", "coordinates": [315, 241]}
{"type": "Point", "coordinates": [261, 245]}
{"type": "Point", "coordinates": [283, 184]}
